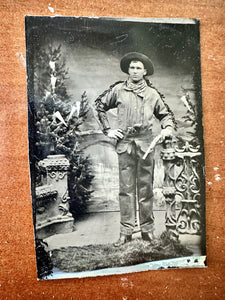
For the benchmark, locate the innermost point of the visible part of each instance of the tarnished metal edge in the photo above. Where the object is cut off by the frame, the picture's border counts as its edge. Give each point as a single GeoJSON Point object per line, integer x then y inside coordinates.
{"type": "Point", "coordinates": [175, 263]}
{"type": "Point", "coordinates": [156, 20]}
{"type": "Point", "coordinates": [134, 19]}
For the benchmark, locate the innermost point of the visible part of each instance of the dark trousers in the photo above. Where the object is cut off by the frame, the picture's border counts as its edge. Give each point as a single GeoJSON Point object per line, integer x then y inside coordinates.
{"type": "Point", "coordinates": [136, 183]}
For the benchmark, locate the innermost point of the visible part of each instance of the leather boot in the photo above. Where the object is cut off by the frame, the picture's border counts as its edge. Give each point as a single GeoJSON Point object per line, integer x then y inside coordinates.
{"type": "Point", "coordinates": [148, 236]}
{"type": "Point", "coordinates": [123, 240]}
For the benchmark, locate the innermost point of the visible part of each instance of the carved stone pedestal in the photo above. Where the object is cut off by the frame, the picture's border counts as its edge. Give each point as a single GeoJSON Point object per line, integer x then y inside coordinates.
{"type": "Point", "coordinates": [52, 207]}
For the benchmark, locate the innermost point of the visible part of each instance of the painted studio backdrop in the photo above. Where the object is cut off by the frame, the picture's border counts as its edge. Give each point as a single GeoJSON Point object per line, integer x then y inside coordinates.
{"type": "Point", "coordinates": [74, 166]}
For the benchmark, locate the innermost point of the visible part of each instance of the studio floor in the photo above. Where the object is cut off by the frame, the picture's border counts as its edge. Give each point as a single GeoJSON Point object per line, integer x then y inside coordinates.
{"type": "Point", "coordinates": [104, 228]}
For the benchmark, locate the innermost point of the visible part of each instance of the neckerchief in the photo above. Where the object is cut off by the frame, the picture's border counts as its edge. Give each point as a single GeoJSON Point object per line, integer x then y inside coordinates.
{"type": "Point", "coordinates": [138, 88]}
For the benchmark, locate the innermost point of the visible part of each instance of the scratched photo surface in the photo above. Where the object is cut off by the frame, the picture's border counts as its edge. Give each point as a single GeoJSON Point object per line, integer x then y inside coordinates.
{"type": "Point", "coordinates": [73, 68]}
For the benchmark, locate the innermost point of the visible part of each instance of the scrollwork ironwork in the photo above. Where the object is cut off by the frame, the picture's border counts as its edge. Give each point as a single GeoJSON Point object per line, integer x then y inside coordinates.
{"type": "Point", "coordinates": [182, 175]}
{"type": "Point", "coordinates": [168, 156]}
{"type": "Point", "coordinates": [188, 184]}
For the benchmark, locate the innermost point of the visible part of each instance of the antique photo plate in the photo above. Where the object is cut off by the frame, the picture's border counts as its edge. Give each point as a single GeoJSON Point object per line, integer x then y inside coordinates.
{"type": "Point", "coordinates": [73, 67]}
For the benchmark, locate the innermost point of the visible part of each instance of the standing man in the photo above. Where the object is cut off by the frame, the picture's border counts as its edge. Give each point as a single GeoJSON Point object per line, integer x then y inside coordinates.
{"type": "Point", "coordinates": [137, 104]}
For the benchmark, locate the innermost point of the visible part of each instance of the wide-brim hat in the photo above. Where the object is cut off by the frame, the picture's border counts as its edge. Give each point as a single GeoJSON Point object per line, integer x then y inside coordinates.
{"type": "Point", "coordinates": [136, 56]}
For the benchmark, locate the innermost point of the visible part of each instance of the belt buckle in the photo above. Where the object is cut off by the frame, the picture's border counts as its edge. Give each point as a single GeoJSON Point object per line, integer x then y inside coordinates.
{"type": "Point", "coordinates": [131, 130]}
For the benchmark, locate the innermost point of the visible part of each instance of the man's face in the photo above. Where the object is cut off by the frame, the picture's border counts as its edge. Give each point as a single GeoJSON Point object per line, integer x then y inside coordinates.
{"type": "Point", "coordinates": [136, 71]}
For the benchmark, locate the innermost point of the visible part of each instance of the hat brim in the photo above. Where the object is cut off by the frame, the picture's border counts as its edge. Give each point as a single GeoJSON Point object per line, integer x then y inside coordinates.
{"type": "Point", "coordinates": [135, 56]}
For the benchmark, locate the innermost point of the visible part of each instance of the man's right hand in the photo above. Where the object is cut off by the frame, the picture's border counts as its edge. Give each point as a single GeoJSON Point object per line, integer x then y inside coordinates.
{"type": "Point", "coordinates": [115, 133]}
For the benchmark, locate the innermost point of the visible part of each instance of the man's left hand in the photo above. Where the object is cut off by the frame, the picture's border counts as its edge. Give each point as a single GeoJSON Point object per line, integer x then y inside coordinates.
{"type": "Point", "coordinates": [167, 132]}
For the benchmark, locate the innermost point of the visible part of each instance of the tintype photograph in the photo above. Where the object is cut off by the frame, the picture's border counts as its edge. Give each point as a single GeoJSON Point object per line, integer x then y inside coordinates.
{"type": "Point", "coordinates": [115, 145]}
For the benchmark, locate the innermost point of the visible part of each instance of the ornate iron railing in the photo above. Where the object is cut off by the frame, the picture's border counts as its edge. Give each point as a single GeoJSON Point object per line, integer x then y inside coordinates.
{"type": "Point", "coordinates": [182, 180]}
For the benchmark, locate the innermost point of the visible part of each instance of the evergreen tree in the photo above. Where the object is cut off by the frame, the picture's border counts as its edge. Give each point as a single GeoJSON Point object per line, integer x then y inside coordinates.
{"type": "Point", "coordinates": [57, 123]}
